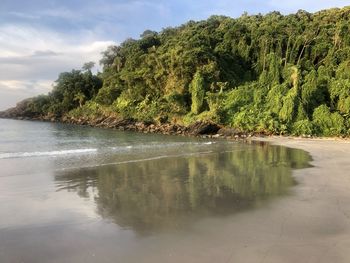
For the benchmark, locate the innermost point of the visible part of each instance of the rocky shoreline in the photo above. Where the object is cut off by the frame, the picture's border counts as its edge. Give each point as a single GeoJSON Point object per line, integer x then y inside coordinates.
{"type": "Point", "coordinates": [203, 129]}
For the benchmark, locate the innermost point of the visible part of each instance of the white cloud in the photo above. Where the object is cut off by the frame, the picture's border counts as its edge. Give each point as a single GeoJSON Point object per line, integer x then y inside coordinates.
{"type": "Point", "coordinates": [40, 40]}
{"type": "Point", "coordinates": [23, 15]}
{"type": "Point", "coordinates": [27, 87]}
{"type": "Point", "coordinates": [59, 12]}
{"type": "Point", "coordinates": [13, 91]}
{"type": "Point", "coordinates": [44, 53]}
{"type": "Point", "coordinates": [31, 58]}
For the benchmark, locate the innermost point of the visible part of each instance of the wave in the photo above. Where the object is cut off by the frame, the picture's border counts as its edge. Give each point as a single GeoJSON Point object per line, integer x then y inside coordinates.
{"type": "Point", "coordinates": [138, 160]}
{"type": "Point", "coordinates": [158, 146]}
{"type": "Point", "coordinates": [49, 153]}
{"type": "Point", "coordinates": [126, 148]}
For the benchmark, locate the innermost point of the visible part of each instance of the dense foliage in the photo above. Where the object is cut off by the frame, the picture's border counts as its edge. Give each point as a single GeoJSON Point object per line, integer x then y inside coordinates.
{"type": "Point", "coordinates": [265, 73]}
{"type": "Point", "coordinates": [71, 90]}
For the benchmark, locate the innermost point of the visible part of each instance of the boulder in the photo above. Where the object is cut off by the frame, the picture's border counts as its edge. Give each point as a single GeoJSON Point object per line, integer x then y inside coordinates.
{"type": "Point", "coordinates": [229, 132]}
{"type": "Point", "coordinates": [202, 128]}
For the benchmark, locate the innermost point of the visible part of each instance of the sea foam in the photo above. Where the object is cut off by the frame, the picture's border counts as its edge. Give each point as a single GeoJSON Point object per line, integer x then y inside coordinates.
{"type": "Point", "coordinates": [48, 153]}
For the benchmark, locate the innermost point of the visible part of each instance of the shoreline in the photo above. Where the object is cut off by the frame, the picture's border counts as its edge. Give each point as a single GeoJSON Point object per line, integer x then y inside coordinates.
{"type": "Point", "coordinates": [314, 223]}
{"type": "Point", "coordinates": [310, 224]}
{"type": "Point", "coordinates": [203, 129]}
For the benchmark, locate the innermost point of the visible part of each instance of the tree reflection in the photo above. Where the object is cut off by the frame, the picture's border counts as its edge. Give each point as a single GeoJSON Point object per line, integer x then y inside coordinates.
{"type": "Point", "coordinates": [164, 193]}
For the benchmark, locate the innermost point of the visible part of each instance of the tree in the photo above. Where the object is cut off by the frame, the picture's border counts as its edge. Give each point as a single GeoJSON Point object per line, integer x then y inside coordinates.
{"type": "Point", "coordinates": [88, 66]}
{"type": "Point", "coordinates": [80, 97]}
{"type": "Point", "coordinates": [197, 89]}
{"type": "Point", "coordinates": [277, 72]}
{"type": "Point", "coordinates": [109, 55]}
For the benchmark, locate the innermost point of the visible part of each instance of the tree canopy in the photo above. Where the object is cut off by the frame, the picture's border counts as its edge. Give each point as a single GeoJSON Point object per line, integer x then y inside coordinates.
{"type": "Point", "coordinates": [264, 73]}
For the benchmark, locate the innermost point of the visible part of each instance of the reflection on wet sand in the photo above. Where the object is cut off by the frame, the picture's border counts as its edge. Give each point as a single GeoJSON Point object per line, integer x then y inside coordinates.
{"type": "Point", "coordinates": [155, 195]}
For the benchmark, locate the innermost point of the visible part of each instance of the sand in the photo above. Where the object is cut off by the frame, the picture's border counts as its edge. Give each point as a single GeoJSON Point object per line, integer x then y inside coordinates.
{"type": "Point", "coordinates": [310, 225]}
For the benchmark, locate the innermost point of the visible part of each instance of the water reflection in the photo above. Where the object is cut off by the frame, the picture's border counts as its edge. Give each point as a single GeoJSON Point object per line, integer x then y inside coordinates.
{"type": "Point", "coordinates": [168, 193]}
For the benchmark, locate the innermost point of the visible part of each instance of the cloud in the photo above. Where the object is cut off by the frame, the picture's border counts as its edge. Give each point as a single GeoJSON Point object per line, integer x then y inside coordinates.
{"type": "Point", "coordinates": [23, 15]}
{"type": "Point", "coordinates": [45, 53]}
{"type": "Point", "coordinates": [61, 13]}
{"type": "Point", "coordinates": [15, 86]}
{"type": "Point", "coordinates": [31, 58]}
{"type": "Point", "coordinates": [13, 91]}
{"type": "Point", "coordinates": [39, 39]}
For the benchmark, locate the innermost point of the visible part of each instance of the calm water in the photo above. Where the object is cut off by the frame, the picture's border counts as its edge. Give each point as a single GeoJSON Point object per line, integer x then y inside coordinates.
{"type": "Point", "coordinates": [80, 194]}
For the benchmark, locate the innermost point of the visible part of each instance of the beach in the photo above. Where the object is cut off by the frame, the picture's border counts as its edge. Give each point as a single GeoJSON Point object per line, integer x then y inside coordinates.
{"type": "Point", "coordinates": [311, 225]}
{"type": "Point", "coordinates": [81, 194]}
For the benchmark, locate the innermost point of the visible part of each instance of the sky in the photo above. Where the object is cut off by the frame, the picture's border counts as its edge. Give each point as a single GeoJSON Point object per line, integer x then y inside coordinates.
{"type": "Point", "coordinates": [41, 38]}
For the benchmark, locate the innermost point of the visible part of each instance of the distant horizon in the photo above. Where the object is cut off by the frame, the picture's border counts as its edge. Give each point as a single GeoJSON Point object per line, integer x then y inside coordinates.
{"type": "Point", "coordinates": [41, 39]}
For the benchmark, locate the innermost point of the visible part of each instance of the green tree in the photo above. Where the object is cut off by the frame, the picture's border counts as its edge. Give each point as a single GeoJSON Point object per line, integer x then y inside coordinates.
{"type": "Point", "coordinates": [197, 89]}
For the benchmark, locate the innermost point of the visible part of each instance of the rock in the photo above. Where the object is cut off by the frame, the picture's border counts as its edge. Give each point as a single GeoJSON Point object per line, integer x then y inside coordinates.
{"type": "Point", "coordinates": [229, 132]}
{"type": "Point", "coordinates": [200, 128]}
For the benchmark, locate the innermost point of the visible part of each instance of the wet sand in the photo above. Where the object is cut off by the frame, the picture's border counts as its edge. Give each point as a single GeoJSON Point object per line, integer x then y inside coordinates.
{"type": "Point", "coordinates": [311, 225]}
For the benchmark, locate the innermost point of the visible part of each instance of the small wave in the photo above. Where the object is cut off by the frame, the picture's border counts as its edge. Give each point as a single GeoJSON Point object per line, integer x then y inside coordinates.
{"type": "Point", "coordinates": [159, 146]}
{"type": "Point", "coordinates": [50, 153]}
{"type": "Point", "coordinates": [139, 160]}
{"type": "Point", "coordinates": [121, 148]}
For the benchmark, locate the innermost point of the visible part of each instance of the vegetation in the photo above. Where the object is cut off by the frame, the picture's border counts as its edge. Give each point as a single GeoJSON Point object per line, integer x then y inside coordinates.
{"type": "Point", "coordinates": [70, 91]}
{"type": "Point", "coordinates": [264, 73]}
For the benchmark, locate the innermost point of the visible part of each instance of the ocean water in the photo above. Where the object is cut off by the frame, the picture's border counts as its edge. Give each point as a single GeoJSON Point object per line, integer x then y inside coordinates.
{"type": "Point", "coordinates": [82, 194]}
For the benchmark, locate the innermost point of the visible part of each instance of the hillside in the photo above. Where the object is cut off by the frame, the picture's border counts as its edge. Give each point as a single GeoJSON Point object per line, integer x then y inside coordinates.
{"type": "Point", "coordinates": [268, 73]}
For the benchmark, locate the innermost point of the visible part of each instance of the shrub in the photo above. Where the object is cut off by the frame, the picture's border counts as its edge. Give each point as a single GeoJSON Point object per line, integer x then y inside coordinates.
{"type": "Point", "coordinates": [303, 127]}
{"type": "Point", "coordinates": [197, 89]}
{"type": "Point", "coordinates": [327, 123]}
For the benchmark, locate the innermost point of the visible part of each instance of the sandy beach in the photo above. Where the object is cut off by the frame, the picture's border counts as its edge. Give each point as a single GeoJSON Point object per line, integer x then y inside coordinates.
{"type": "Point", "coordinates": [55, 215]}
{"type": "Point", "coordinates": [311, 225]}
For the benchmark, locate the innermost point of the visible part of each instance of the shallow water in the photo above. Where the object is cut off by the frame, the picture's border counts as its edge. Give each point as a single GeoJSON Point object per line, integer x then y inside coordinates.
{"type": "Point", "coordinates": [80, 194]}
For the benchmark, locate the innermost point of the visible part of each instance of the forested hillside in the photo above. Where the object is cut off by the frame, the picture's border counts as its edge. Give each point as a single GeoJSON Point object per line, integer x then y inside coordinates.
{"type": "Point", "coordinates": [262, 73]}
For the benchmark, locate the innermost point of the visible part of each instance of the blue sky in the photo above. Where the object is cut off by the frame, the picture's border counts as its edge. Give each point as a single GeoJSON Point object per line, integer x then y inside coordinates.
{"type": "Point", "coordinates": [41, 38]}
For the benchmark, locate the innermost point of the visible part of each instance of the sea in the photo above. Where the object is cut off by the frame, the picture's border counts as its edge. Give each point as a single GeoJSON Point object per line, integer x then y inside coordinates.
{"type": "Point", "coordinates": [73, 193]}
